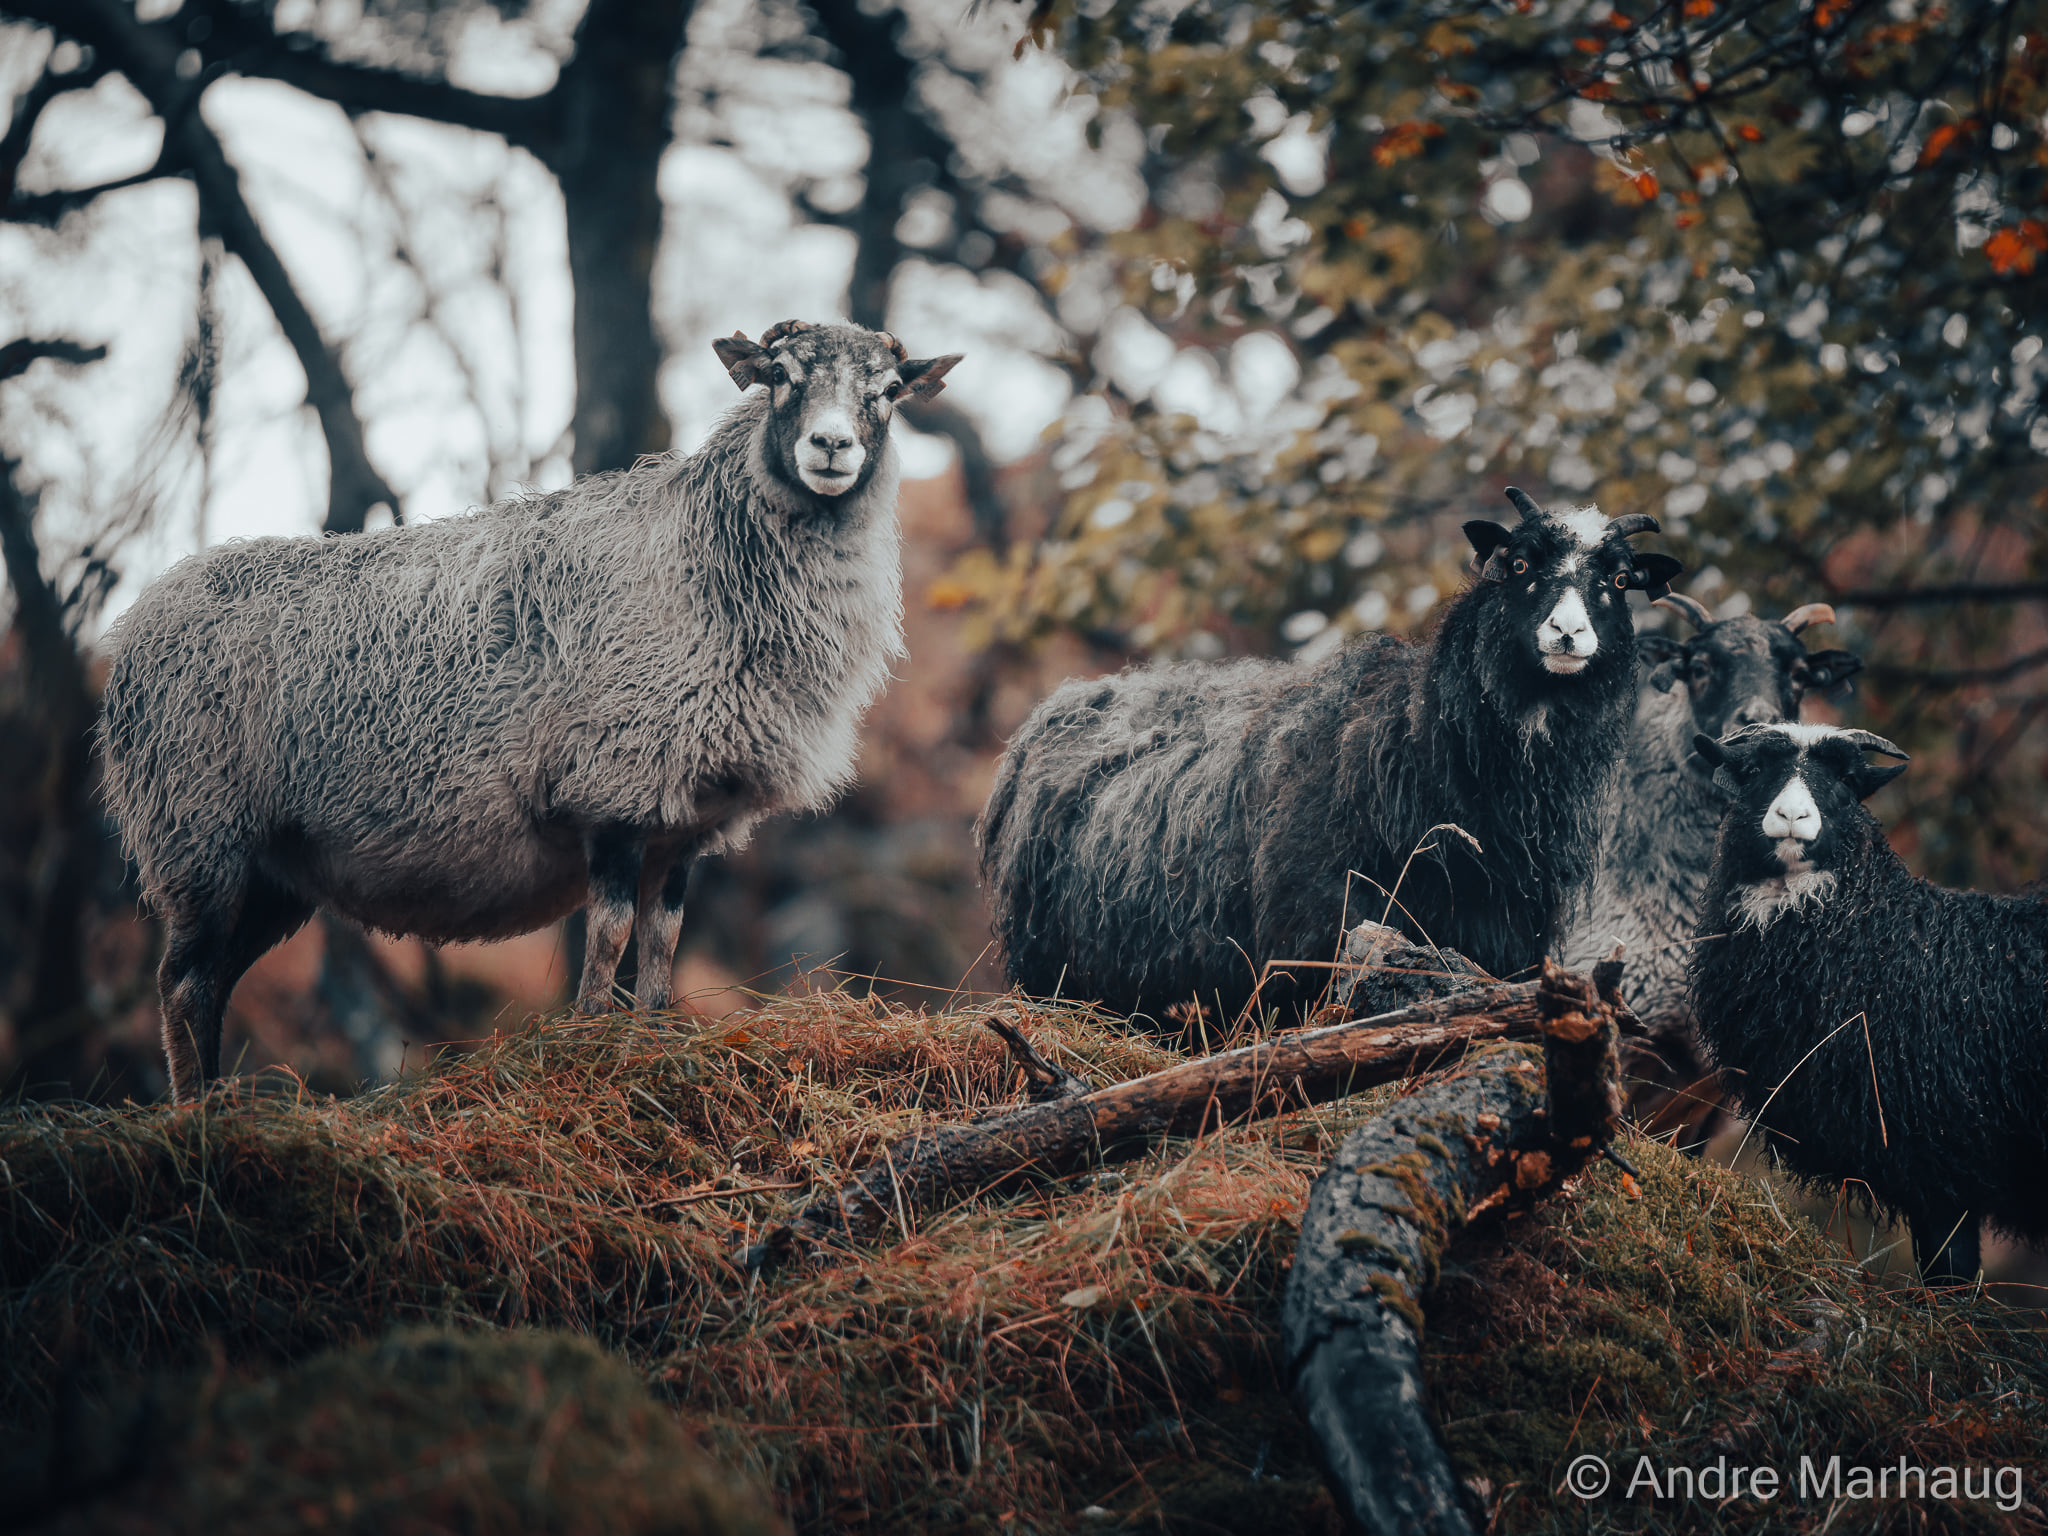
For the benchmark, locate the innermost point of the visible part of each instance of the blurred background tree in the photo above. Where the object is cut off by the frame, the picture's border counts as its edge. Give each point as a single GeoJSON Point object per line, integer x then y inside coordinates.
{"type": "Point", "coordinates": [1260, 301]}
{"type": "Point", "coordinates": [1772, 271]}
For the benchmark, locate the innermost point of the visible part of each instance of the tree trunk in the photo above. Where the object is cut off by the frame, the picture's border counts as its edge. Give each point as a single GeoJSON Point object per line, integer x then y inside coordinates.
{"type": "Point", "coordinates": [1504, 1131]}
{"type": "Point", "coordinates": [613, 122]}
{"type": "Point", "coordinates": [1116, 1124]}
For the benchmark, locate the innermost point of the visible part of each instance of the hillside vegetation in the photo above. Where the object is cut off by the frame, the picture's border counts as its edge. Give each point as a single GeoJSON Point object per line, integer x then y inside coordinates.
{"type": "Point", "coordinates": [499, 1294]}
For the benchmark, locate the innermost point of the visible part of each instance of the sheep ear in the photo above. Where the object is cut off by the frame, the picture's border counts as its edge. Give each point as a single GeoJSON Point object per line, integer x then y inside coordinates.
{"type": "Point", "coordinates": [1656, 653]}
{"type": "Point", "coordinates": [926, 376]}
{"type": "Point", "coordinates": [1869, 778]}
{"type": "Point", "coordinates": [741, 358]}
{"type": "Point", "coordinates": [1654, 572]}
{"type": "Point", "coordinates": [1719, 759]}
{"type": "Point", "coordinates": [1488, 558]}
{"type": "Point", "coordinates": [1829, 671]}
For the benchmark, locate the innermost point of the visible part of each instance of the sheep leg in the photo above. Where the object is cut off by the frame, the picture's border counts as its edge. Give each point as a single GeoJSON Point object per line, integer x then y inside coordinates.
{"type": "Point", "coordinates": [190, 983]}
{"type": "Point", "coordinates": [660, 926]}
{"type": "Point", "coordinates": [1947, 1246]}
{"type": "Point", "coordinates": [203, 959]}
{"type": "Point", "coordinates": [615, 855]}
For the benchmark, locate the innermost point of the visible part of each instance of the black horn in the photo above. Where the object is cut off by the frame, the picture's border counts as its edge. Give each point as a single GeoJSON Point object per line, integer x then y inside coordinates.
{"type": "Point", "coordinates": [1524, 504]}
{"type": "Point", "coordinates": [1629, 524]}
{"type": "Point", "coordinates": [1869, 741]}
{"type": "Point", "coordinates": [1678, 602]}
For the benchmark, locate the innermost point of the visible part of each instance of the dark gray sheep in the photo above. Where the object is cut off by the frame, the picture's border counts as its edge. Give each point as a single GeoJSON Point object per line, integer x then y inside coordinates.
{"type": "Point", "coordinates": [1880, 1029]}
{"type": "Point", "coordinates": [1666, 814]}
{"type": "Point", "coordinates": [468, 728]}
{"type": "Point", "coordinates": [1153, 839]}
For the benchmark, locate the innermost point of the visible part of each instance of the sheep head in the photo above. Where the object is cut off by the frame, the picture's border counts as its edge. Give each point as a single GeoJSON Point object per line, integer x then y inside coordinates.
{"type": "Point", "coordinates": [1794, 803]}
{"type": "Point", "coordinates": [1564, 577]}
{"type": "Point", "coordinates": [1744, 670]}
{"type": "Point", "coordinates": [832, 390]}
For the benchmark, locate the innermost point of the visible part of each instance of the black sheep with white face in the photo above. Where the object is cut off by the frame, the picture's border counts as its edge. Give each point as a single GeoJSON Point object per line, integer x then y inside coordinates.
{"type": "Point", "coordinates": [1883, 1029]}
{"type": "Point", "coordinates": [832, 390]}
{"type": "Point", "coordinates": [1563, 605]}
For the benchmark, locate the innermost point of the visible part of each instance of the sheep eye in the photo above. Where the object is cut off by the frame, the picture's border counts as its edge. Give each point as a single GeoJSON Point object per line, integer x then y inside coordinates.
{"type": "Point", "coordinates": [1621, 579]}
{"type": "Point", "coordinates": [895, 388]}
{"type": "Point", "coordinates": [778, 376]}
{"type": "Point", "coordinates": [1521, 567]}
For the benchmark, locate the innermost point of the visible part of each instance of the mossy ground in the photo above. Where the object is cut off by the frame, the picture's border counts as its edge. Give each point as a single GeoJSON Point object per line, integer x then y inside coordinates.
{"type": "Point", "coordinates": [1092, 1354]}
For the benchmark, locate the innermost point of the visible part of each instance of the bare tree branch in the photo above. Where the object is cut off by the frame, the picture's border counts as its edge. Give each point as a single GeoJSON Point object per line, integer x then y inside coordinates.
{"type": "Point", "coordinates": [1956, 677]}
{"type": "Point", "coordinates": [1925, 597]}
{"type": "Point", "coordinates": [47, 208]}
{"type": "Point", "coordinates": [148, 55]}
{"type": "Point", "coordinates": [16, 356]}
{"type": "Point", "coordinates": [28, 110]}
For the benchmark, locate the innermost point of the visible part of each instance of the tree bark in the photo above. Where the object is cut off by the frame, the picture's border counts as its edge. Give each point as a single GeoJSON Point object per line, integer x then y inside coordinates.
{"type": "Point", "coordinates": [612, 109]}
{"type": "Point", "coordinates": [1504, 1130]}
{"type": "Point", "coordinates": [1116, 1124]}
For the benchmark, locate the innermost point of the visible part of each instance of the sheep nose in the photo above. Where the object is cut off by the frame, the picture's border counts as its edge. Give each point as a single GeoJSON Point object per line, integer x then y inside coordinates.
{"type": "Point", "coordinates": [831, 442]}
{"type": "Point", "coordinates": [1569, 628]}
{"type": "Point", "coordinates": [1793, 813]}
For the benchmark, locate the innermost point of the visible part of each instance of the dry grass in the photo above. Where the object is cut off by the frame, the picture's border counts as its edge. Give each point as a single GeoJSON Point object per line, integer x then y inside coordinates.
{"type": "Point", "coordinates": [995, 1367]}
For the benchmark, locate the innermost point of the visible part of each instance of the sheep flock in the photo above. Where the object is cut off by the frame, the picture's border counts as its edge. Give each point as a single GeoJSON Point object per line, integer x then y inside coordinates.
{"type": "Point", "coordinates": [470, 728]}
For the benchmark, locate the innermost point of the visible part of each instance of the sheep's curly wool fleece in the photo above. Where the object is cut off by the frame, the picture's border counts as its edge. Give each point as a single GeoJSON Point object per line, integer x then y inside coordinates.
{"type": "Point", "coordinates": [416, 727]}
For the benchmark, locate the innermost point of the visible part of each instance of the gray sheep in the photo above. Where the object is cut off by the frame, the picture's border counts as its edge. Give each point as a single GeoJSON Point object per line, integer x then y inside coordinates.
{"type": "Point", "coordinates": [1660, 837]}
{"type": "Point", "coordinates": [466, 729]}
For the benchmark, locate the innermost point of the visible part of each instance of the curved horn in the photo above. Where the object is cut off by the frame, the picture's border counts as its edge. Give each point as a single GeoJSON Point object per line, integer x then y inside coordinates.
{"type": "Point", "coordinates": [783, 328]}
{"type": "Point", "coordinates": [1629, 524]}
{"type": "Point", "coordinates": [1871, 742]}
{"type": "Point", "coordinates": [1809, 613]}
{"type": "Point", "coordinates": [1523, 504]}
{"type": "Point", "coordinates": [1678, 602]}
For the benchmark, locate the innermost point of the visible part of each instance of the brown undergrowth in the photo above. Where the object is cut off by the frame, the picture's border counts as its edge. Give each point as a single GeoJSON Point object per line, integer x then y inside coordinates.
{"type": "Point", "coordinates": [1102, 1344]}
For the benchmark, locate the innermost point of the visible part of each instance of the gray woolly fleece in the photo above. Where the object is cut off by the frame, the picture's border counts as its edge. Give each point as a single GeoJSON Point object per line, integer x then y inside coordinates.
{"type": "Point", "coordinates": [417, 728]}
{"type": "Point", "coordinates": [1661, 825]}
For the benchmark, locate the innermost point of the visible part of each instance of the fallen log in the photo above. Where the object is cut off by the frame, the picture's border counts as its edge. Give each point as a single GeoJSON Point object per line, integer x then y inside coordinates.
{"type": "Point", "coordinates": [1065, 1133]}
{"type": "Point", "coordinates": [1500, 1132]}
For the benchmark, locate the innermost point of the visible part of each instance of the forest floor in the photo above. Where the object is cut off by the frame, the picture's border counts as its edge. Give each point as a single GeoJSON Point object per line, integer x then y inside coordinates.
{"type": "Point", "coordinates": [500, 1294]}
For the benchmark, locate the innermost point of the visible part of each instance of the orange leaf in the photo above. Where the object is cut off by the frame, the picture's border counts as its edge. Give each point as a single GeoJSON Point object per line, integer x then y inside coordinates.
{"type": "Point", "coordinates": [1403, 141]}
{"type": "Point", "coordinates": [1619, 22]}
{"type": "Point", "coordinates": [1687, 220]}
{"type": "Point", "coordinates": [1645, 184]}
{"type": "Point", "coordinates": [1749, 133]}
{"type": "Point", "coordinates": [1828, 12]}
{"type": "Point", "coordinates": [1589, 45]}
{"type": "Point", "coordinates": [2017, 248]}
{"type": "Point", "coordinates": [1355, 227]}
{"type": "Point", "coordinates": [1695, 9]}
{"type": "Point", "coordinates": [1597, 90]}
{"type": "Point", "coordinates": [1943, 139]}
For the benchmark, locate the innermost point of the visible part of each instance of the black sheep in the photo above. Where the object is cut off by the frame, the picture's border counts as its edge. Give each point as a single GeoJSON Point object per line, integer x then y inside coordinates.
{"type": "Point", "coordinates": [1879, 1028]}
{"type": "Point", "coordinates": [1154, 838]}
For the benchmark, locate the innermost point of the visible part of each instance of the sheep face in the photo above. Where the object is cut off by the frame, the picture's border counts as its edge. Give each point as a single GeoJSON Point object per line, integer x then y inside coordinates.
{"type": "Point", "coordinates": [1563, 580]}
{"type": "Point", "coordinates": [1744, 671]}
{"type": "Point", "coordinates": [1795, 794]}
{"type": "Point", "coordinates": [832, 390]}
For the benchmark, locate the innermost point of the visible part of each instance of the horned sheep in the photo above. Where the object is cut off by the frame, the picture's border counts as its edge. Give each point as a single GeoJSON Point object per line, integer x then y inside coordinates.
{"type": "Point", "coordinates": [1659, 842]}
{"type": "Point", "coordinates": [1152, 839]}
{"type": "Point", "coordinates": [467, 728]}
{"type": "Point", "coordinates": [1882, 1030]}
